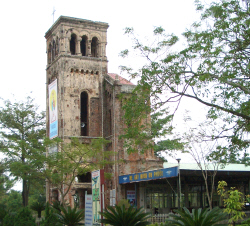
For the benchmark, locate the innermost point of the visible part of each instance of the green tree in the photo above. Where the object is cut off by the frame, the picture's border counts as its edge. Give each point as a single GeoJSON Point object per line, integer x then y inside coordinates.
{"type": "Point", "coordinates": [22, 128]}
{"type": "Point", "coordinates": [12, 201]}
{"type": "Point", "coordinates": [213, 69]}
{"type": "Point", "coordinates": [201, 217]}
{"type": "Point", "coordinates": [147, 127]}
{"type": "Point", "coordinates": [74, 158]}
{"type": "Point", "coordinates": [38, 207]}
{"type": "Point", "coordinates": [233, 202]}
{"type": "Point", "coordinates": [122, 216]}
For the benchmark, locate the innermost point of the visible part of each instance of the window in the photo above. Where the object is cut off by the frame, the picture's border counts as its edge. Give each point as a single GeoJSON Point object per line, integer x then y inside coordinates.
{"type": "Point", "coordinates": [84, 114]}
{"type": "Point", "coordinates": [84, 45]}
{"type": "Point", "coordinates": [94, 47]}
{"type": "Point", "coordinates": [73, 44]}
{"type": "Point", "coordinates": [49, 53]}
{"type": "Point", "coordinates": [84, 178]}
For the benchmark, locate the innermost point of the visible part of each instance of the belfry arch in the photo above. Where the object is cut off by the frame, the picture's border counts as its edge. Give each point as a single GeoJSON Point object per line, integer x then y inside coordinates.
{"type": "Point", "coordinates": [73, 44]}
{"type": "Point", "coordinates": [94, 47]}
{"type": "Point", "coordinates": [84, 122]}
{"type": "Point", "coordinates": [83, 44]}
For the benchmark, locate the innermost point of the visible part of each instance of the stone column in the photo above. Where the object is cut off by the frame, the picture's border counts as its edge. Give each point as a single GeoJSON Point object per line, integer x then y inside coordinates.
{"type": "Point", "coordinates": [88, 49]}
{"type": "Point", "coordinates": [78, 46]}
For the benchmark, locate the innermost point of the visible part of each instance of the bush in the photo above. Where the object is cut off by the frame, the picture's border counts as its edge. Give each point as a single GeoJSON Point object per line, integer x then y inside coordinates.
{"type": "Point", "coordinates": [120, 216]}
{"type": "Point", "coordinates": [22, 218]}
{"type": "Point", "coordinates": [50, 218]}
{"type": "Point", "coordinates": [201, 217]}
{"type": "Point", "coordinates": [70, 216]}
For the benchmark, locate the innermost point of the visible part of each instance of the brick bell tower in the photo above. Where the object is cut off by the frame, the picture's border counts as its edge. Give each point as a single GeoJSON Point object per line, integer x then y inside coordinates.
{"type": "Point", "coordinates": [89, 105]}
{"type": "Point", "coordinates": [76, 60]}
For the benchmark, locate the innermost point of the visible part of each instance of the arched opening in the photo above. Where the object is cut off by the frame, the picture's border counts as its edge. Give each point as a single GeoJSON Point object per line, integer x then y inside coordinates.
{"type": "Point", "coordinates": [84, 114]}
{"type": "Point", "coordinates": [94, 47]}
{"type": "Point", "coordinates": [53, 50]}
{"type": "Point", "coordinates": [73, 44]}
{"type": "Point", "coordinates": [84, 45]}
{"type": "Point", "coordinates": [57, 46]}
{"type": "Point", "coordinates": [84, 178]}
{"type": "Point", "coordinates": [49, 53]}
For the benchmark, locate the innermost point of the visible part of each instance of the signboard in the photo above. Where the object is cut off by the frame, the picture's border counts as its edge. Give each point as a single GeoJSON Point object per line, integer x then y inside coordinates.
{"type": "Point", "coordinates": [112, 197]}
{"type": "Point", "coordinates": [53, 115]}
{"type": "Point", "coordinates": [131, 197]}
{"type": "Point", "coordinates": [88, 210]}
{"type": "Point", "coordinates": [96, 187]}
{"type": "Point", "coordinates": [149, 175]}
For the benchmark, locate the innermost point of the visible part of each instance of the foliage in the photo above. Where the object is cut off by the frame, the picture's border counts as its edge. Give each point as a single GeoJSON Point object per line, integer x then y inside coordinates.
{"type": "Point", "coordinates": [122, 216]}
{"type": "Point", "coordinates": [145, 126]}
{"type": "Point", "coordinates": [72, 159]}
{"type": "Point", "coordinates": [38, 207]}
{"type": "Point", "coordinates": [233, 202]}
{"type": "Point", "coordinates": [5, 182]}
{"type": "Point", "coordinates": [124, 202]}
{"type": "Point", "coordinates": [246, 222]}
{"type": "Point", "coordinates": [201, 217]}
{"type": "Point", "coordinates": [12, 201]}
{"type": "Point", "coordinates": [50, 218]}
{"type": "Point", "coordinates": [3, 213]}
{"type": "Point", "coordinates": [156, 224]}
{"type": "Point", "coordinates": [22, 218]}
{"type": "Point", "coordinates": [9, 219]}
{"type": "Point", "coordinates": [22, 128]}
{"type": "Point", "coordinates": [213, 69]}
{"type": "Point", "coordinates": [70, 216]}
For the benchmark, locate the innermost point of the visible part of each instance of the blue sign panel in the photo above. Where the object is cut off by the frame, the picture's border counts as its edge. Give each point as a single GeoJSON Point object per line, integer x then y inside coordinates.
{"type": "Point", "coordinates": [149, 175]}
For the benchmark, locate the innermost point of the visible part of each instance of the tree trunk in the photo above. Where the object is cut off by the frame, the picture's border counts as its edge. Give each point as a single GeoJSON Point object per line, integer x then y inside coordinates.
{"type": "Point", "coordinates": [25, 193]}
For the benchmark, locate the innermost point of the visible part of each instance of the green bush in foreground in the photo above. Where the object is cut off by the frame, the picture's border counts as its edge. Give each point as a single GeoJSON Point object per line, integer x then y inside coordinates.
{"type": "Point", "coordinates": [70, 216]}
{"type": "Point", "coordinates": [122, 216]}
{"type": "Point", "coordinates": [22, 218]}
{"type": "Point", "coordinates": [198, 217]}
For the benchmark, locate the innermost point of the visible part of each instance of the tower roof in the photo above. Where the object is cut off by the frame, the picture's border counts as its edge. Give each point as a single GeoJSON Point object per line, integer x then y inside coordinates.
{"type": "Point", "coordinates": [122, 80]}
{"type": "Point", "coordinates": [77, 21]}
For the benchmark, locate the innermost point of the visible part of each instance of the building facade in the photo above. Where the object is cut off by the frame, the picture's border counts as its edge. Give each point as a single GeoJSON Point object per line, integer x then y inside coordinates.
{"type": "Point", "coordinates": [88, 103]}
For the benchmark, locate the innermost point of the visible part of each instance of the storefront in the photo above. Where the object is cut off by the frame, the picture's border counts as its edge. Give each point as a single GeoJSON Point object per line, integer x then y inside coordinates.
{"type": "Point", "coordinates": [157, 191]}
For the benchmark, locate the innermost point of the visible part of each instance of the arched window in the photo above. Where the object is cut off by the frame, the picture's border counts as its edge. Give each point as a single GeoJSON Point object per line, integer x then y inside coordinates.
{"type": "Point", "coordinates": [53, 50]}
{"type": "Point", "coordinates": [84, 114]}
{"type": "Point", "coordinates": [84, 45]}
{"type": "Point", "coordinates": [73, 44]}
{"type": "Point", "coordinates": [94, 47]}
{"type": "Point", "coordinates": [49, 53]}
{"type": "Point", "coordinates": [84, 178]}
{"type": "Point", "coordinates": [57, 46]}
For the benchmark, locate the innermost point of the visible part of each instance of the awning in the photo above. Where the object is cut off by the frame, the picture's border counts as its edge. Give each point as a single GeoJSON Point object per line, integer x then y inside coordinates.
{"type": "Point", "coordinates": [149, 175]}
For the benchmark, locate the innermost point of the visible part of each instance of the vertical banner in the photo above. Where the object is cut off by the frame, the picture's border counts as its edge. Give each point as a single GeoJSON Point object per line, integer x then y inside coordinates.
{"type": "Point", "coordinates": [88, 210]}
{"type": "Point", "coordinates": [97, 181]}
{"type": "Point", "coordinates": [53, 116]}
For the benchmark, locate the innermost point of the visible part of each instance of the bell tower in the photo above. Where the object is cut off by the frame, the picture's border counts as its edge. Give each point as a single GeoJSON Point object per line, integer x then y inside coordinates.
{"type": "Point", "coordinates": [76, 58]}
{"type": "Point", "coordinates": [76, 67]}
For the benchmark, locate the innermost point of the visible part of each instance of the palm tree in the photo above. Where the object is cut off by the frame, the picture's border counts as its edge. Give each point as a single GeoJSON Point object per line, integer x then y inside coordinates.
{"type": "Point", "coordinates": [70, 217]}
{"type": "Point", "coordinates": [201, 217]}
{"type": "Point", "coordinates": [122, 216]}
{"type": "Point", "coordinates": [39, 207]}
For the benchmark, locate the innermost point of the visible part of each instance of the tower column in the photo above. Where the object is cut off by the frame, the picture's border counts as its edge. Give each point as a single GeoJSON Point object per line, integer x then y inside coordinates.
{"type": "Point", "coordinates": [78, 46]}
{"type": "Point", "coordinates": [89, 48]}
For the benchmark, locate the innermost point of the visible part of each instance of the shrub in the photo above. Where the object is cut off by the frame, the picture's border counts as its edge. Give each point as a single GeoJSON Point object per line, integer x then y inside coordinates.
{"type": "Point", "coordinates": [201, 217]}
{"type": "Point", "coordinates": [22, 218]}
{"type": "Point", "coordinates": [50, 218]}
{"type": "Point", "coordinates": [69, 216]}
{"type": "Point", "coordinates": [122, 216]}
